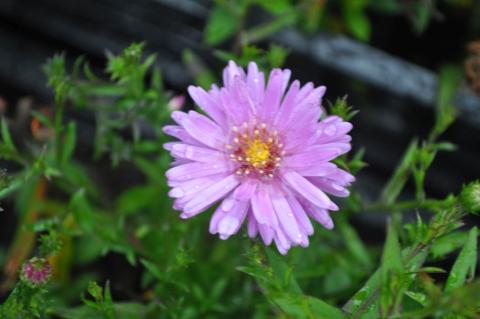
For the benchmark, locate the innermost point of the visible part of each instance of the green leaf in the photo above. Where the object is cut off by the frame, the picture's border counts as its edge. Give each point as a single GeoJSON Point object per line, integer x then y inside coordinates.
{"type": "Point", "coordinates": [400, 176]}
{"type": "Point", "coordinates": [449, 79]}
{"type": "Point", "coordinates": [82, 211]}
{"type": "Point", "coordinates": [448, 244]}
{"type": "Point", "coordinates": [69, 142]}
{"type": "Point", "coordinates": [124, 310]}
{"type": "Point", "coordinates": [423, 13]}
{"type": "Point", "coordinates": [221, 24]}
{"type": "Point", "coordinates": [282, 272]}
{"type": "Point", "coordinates": [303, 306]}
{"type": "Point", "coordinates": [45, 120]}
{"type": "Point", "coordinates": [276, 56]}
{"type": "Point", "coordinates": [136, 198]}
{"type": "Point", "coordinates": [275, 7]}
{"type": "Point", "coordinates": [6, 137]}
{"type": "Point", "coordinates": [391, 272]}
{"type": "Point", "coordinates": [463, 269]}
{"type": "Point", "coordinates": [357, 23]}
{"type": "Point", "coordinates": [445, 146]}
{"type": "Point", "coordinates": [431, 270]}
{"type": "Point", "coordinates": [354, 244]}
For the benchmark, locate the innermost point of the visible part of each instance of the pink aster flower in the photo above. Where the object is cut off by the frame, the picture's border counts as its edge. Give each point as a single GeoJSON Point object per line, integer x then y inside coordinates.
{"type": "Point", "coordinates": [261, 150]}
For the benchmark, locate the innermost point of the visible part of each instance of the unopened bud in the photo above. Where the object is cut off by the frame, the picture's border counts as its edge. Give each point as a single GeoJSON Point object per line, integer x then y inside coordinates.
{"type": "Point", "coordinates": [470, 197]}
{"type": "Point", "coordinates": [36, 272]}
{"type": "Point", "coordinates": [176, 102]}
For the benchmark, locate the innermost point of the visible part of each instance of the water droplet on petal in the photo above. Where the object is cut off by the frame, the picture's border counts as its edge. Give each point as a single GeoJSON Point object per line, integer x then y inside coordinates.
{"type": "Point", "coordinates": [330, 130]}
{"type": "Point", "coordinates": [189, 153]}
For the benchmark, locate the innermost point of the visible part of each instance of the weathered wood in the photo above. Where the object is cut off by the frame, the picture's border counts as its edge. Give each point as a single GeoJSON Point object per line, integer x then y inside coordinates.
{"type": "Point", "coordinates": [378, 68]}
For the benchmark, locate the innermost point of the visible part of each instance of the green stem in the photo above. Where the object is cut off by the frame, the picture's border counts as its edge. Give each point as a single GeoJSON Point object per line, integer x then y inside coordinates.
{"type": "Point", "coordinates": [262, 31]}
{"type": "Point", "coordinates": [59, 110]}
{"type": "Point", "coordinates": [405, 205]}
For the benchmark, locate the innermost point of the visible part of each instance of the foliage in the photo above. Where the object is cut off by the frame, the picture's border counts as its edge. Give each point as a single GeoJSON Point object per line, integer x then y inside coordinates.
{"type": "Point", "coordinates": [79, 222]}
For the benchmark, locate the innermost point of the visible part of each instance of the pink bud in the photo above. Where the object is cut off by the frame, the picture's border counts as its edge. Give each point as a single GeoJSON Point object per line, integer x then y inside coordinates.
{"type": "Point", "coordinates": [36, 272]}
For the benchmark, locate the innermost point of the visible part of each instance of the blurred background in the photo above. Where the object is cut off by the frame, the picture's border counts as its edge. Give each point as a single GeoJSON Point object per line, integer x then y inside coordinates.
{"type": "Point", "coordinates": [384, 55]}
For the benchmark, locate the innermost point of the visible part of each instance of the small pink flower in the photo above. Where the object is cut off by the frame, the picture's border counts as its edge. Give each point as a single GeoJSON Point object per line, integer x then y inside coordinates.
{"type": "Point", "coordinates": [264, 152]}
{"type": "Point", "coordinates": [36, 272]}
{"type": "Point", "coordinates": [176, 103]}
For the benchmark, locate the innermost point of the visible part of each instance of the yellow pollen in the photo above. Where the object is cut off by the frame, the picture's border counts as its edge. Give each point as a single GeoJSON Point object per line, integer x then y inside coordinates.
{"type": "Point", "coordinates": [258, 152]}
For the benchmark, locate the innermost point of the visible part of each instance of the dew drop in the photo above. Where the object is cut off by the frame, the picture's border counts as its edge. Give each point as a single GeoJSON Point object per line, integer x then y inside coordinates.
{"type": "Point", "coordinates": [330, 130]}
{"type": "Point", "coordinates": [189, 153]}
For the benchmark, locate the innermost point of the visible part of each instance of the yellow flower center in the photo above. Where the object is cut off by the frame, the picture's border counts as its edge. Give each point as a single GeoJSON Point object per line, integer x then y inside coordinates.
{"type": "Point", "coordinates": [257, 152]}
{"type": "Point", "coordinates": [256, 149]}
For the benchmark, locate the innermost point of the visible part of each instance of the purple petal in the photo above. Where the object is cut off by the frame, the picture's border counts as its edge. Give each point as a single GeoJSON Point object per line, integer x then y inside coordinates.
{"type": "Point", "coordinates": [300, 215]}
{"type": "Point", "coordinates": [246, 190]}
{"type": "Point", "coordinates": [255, 83]}
{"type": "Point", "coordinates": [315, 155]}
{"type": "Point", "coordinates": [180, 133]}
{"type": "Point", "coordinates": [236, 115]}
{"type": "Point", "coordinates": [207, 103]}
{"type": "Point", "coordinates": [217, 215]}
{"type": "Point", "coordinates": [204, 130]}
{"type": "Point", "coordinates": [262, 207]}
{"type": "Point", "coordinates": [321, 216]}
{"type": "Point", "coordinates": [266, 233]}
{"type": "Point", "coordinates": [230, 223]}
{"type": "Point", "coordinates": [252, 225]}
{"type": "Point", "coordinates": [230, 72]}
{"type": "Point", "coordinates": [308, 191]}
{"type": "Point", "coordinates": [322, 169]}
{"type": "Point", "coordinates": [193, 186]}
{"type": "Point", "coordinates": [281, 241]}
{"type": "Point", "coordinates": [273, 94]}
{"type": "Point", "coordinates": [209, 196]}
{"type": "Point", "coordinates": [196, 170]}
{"type": "Point", "coordinates": [329, 186]}
{"type": "Point", "coordinates": [286, 218]}
{"type": "Point", "coordinates": [195, 153]}
{"type": "Point", "coordinates": [288, 104]}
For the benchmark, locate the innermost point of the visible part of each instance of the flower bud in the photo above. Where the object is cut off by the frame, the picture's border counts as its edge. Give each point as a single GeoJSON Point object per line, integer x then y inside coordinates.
{"type": "Point", "coordinates": [36, 272]}
{"type": "Point", "coordinates": [470, 197]}
{"type": "Point", "coordinates": [176, 103]}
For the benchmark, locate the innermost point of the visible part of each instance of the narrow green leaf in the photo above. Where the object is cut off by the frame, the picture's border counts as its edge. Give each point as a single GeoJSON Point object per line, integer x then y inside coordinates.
{"type": "Point", "coordinates": [463, 269]}
{"type": "Point", "coordinates": [419, 297]}
{"type": "Point", "coordinates": [303, 306]}
{"type": "Point", "coordinates": [45, 120]}
{"type": "Point", "coordinates": [82, 211]}
{"type": "Point", "coordinates": [354, 244]}
{"type": "Point", "coordinates": [448, 244]}
{"type": "Point", "coordinates": [423, 13]}
{"type": "Point", "coordinates": [220, 26]}
{"type": "Point", "coordinates": [69, 142]}
{"type": "Point", "coordinates": [136, 198]}
{"type": "Point", "coordinates": [391, 271]}
{"type": "Point", "coordinates": [275, 7]}
{"type": "Point", "coordinates": [400, 176]}
{"type": "Point", "coordinates": [276, 55]}
{"type": "Point", "coordinates": [6, 137]}
{"type": "Point", "coordinates": [357, 23]}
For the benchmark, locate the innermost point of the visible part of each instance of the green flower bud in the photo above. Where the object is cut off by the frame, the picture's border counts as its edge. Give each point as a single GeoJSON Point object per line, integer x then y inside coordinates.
{"type": "Point", "coordinates": [470, 197]}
